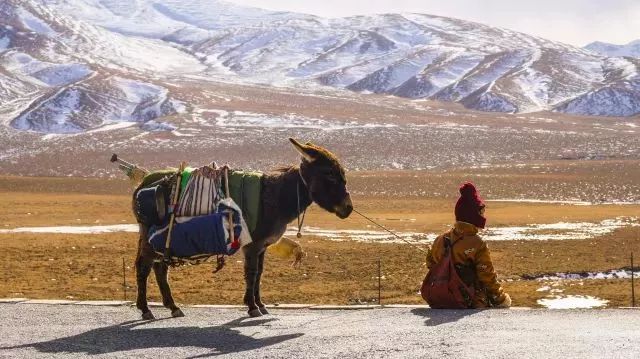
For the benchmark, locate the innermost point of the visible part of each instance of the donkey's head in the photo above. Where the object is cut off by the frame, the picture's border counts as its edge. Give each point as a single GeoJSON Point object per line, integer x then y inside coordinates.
{"type": "Point", "coordinates": [325, 178]}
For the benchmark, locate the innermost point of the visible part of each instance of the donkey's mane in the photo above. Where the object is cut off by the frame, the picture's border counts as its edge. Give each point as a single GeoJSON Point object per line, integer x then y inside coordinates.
{"type": "Point", "coordinates": [285, 169]}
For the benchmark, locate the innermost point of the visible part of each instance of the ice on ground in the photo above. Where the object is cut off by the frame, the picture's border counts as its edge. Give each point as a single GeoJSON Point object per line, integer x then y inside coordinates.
{"type": "Point", "coordinates": [572, 302]}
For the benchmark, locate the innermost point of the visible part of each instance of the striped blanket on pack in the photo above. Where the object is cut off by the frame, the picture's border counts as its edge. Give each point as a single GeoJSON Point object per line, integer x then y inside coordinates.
{"type": "Point", "coordinates": [201, 192]}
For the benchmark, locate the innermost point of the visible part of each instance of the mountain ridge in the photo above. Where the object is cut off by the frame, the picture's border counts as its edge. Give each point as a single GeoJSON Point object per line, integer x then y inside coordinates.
{"type": "Point", "coordinates": [64, 53]}
{"type": "Point", "coordinates": [631, 49]}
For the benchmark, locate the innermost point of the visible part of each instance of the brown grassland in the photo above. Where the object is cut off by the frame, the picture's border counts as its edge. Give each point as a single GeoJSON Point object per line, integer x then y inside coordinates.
{"type": "Point", "coordinates": [90, 266]}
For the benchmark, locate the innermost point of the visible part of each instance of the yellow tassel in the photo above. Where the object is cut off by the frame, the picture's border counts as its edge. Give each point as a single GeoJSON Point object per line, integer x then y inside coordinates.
{"type": "Point", "coordinates": [287, 248]}
{"type": "Point", "coordinates": [137, 175]}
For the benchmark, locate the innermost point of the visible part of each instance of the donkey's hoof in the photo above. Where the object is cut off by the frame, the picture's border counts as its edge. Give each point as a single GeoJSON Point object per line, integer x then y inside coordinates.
{"type": "Point", "coordinates": [177, 313]}
{"type": "Point", "coordinates": [254, 313]}
{"type": "Point", "coordinates": [148, 316]}
{"type": "Point", "coordinates": [263, 310]}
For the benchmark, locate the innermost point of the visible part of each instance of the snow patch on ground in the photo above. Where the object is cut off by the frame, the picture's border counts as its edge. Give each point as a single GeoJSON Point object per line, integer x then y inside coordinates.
{"type": "Point", "coordinates": [568, 202]}
{"type": "Point", "coordinates": [34, 23]}
{"type": "Point", "coordinates": [622, 100]}
{"type": "Point", "coordinates": [631, 49]}
{"type": "Point", "coordinates": [75, 229]}
{"type": "Point", "coordinates": [144, 103]}
{"type": "Point", "coordinates": [362, 235]}
{"type": "Point", "coordinates": [558, 231]}
{"type": "Point", "coordinates": [572, 302]}
{"type": "Point", "coordinates": [260, 120]}
{"type": "Point", "coordinates": [44, 73]}
{"type": "Point", "coordinates": [157, 126]}
{"type": "Point", "coordinates": [136, 91]}
{"type": "Point", "coordinates": [108, 126]}
{"type": "Point", "coordinates": [72, 108]}
{"type": "Point", "coordinates": [53, 115]}
{"type": "Point", "coordinates": [5, 41]}
{"type": "Point", "coordinates": [612, 274]}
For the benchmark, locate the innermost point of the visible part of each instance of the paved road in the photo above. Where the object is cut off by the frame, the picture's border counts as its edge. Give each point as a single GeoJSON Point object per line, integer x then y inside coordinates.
{"type": "Point", "coordinates": [30, 331]}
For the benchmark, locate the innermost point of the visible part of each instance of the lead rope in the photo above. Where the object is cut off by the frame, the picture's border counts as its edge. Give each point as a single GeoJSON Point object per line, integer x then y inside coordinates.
{"type": "Point", "coordinates": [300, 222]}
{"type": "Point", "coordinates": [385, 228]}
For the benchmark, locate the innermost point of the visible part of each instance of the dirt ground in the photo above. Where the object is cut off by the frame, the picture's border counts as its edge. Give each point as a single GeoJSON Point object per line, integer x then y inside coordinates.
{"type": "Point", "coordinates": [91, 266]}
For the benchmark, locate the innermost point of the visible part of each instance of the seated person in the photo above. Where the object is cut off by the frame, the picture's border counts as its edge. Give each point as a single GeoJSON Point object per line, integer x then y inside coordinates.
{"type": "Point", "coordinates": [470, 253]}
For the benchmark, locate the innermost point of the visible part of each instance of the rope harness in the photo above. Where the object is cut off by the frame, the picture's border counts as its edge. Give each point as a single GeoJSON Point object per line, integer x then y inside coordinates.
{"type": "Point", "coordinates": [304, 212]}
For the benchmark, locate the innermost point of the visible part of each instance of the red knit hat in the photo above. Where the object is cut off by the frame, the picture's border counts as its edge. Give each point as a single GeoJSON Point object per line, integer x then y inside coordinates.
{"type": "Point", "coordinates": [469, 205]}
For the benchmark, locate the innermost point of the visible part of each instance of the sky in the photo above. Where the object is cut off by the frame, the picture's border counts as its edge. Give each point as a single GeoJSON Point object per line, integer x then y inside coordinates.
{"type": "Point", "coordinates": [577, 22]}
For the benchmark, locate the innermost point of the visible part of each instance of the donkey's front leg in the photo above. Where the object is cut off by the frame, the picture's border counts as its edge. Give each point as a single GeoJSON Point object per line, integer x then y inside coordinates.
{"type": "Point", "coordinates": [259, 303]}
{"type": "Point", "coordinates": [251, 256]}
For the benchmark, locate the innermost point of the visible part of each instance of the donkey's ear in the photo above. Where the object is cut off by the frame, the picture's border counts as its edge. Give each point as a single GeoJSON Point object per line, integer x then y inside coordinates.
{"type": "Point", "coordinates": [305, 151]}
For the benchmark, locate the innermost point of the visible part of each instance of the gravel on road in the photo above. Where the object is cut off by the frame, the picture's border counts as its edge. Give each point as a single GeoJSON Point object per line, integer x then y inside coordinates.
{"type": "Point", "coordinates": [37, 330]}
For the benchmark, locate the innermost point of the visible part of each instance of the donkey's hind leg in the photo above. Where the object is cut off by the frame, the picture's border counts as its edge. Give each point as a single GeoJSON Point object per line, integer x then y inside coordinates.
{"type": "Point", "coordinates": [144, 261]}
{"type": "Point", "coordinates": [259, 303]}
{"type": "Point", "coordinates": [161, 270]}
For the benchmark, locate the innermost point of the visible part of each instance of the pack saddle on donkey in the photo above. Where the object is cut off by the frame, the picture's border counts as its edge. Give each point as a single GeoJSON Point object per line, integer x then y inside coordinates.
{"type": "Point", "coordinates": [187, 215]}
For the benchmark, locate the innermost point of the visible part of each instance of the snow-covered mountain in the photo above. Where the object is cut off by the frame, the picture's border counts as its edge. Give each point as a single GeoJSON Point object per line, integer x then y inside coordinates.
{"type": "Point", "coordinates": [631, 49]}
{"type": "Point", "coordinates": [79, 65]}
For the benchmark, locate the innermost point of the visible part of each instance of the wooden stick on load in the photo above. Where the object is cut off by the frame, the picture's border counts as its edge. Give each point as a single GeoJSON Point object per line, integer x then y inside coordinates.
{"type": "Point", "coordinates": [136, 174]}
{"type": "Point", "coordinates": [172, 217]}
{"type": "Point", "coordinates": [226, 189]}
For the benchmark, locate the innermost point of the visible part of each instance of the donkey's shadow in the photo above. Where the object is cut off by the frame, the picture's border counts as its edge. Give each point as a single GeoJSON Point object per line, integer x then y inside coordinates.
{"type": "Point", "coordinates": [132, 335]}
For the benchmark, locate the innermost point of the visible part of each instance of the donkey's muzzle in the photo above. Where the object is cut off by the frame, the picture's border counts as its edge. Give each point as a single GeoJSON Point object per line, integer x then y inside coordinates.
{"type": "Point", "coordinates": [345, 208]}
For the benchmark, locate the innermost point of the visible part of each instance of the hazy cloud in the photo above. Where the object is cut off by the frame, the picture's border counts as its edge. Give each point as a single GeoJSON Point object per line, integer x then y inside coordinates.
{"type": "Point", "coordinates": [576, 22]}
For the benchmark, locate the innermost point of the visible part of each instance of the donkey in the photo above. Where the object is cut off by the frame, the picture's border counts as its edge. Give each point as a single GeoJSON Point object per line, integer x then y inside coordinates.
{"type": "Point", "coordinates": [319, 178]}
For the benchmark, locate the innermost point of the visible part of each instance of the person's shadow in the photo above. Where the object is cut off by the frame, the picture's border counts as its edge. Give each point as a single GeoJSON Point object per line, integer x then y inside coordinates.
{"type": "Point", "coordinates": [436, 317]}
{"type": "Point", "coordinates": [132, 335]}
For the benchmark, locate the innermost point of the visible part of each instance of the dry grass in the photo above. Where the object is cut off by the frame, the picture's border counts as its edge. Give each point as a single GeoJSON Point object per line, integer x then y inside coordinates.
{"type": "Point", "coordinates": [90, 266]}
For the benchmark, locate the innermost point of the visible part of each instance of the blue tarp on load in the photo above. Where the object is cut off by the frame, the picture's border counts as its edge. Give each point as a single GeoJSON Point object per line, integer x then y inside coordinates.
{"type": "Point", "coordinates": [194, 236]}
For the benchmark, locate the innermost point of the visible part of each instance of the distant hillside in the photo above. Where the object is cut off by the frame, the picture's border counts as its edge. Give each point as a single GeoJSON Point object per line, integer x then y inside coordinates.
{"type": "Point", "coordinates": [631, 49]}
{"type": "Point", "coordinates": [70, 66]}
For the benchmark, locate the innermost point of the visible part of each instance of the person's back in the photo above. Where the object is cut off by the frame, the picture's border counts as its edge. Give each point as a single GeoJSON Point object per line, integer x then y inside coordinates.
{"type": "Point", "coordinates": [470, 253]}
